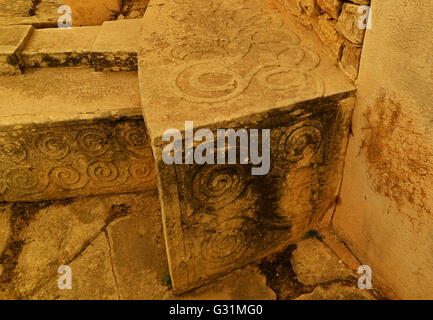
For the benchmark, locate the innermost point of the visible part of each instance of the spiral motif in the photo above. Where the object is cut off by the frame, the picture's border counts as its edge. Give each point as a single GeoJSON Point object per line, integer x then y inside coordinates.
{"type": "Point", "coordinates": [22, 179]}
{"type": "Point", "coordinates": [209, 82]}
{"type": "Point", "coordinates": [141, 171]}
{"type": "Point", "coordinates": [219, 185]}
{"type": "Point", "coordinates": [102, 172]}
{"type": "Point", "coordinates": [53, 146]}
{"type": "Point", "coordinates": [230, 243]}
{"type": "Point", "coordinates": [12, 152]}
{"type": "Point", "coordinates": [300, 143]}
{"type": "Point", "coordinates": [68, 178]}
{"type": "Point", "coordinates": [93, 142]}
{"type": "Point", "coordinates": [132, 137]}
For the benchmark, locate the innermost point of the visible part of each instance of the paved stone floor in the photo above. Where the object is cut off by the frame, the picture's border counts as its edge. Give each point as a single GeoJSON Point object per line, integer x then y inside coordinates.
{"type": "Point", "coordinates": [115, 248]}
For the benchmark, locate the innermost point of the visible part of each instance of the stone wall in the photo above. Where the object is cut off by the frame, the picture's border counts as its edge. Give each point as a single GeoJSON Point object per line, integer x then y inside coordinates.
{"type": "Point", "coordinates": [386, 211]}
{"type": "Point", "coordinates": [336, 24]}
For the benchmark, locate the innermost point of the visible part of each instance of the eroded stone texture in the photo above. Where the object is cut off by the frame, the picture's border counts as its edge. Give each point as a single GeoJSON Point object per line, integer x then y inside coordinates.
{"type": "Point", "coordinates": [314, 263]}
{"type": "Point", "coordinates": [21, 8]}
{"type": "Point", "coordinates": [12, 40]}
{"type": "Point", "coordinates": [350, 59]}
{"type": "Point", "coordinates": [337, 291]}
{"type": "Point", "coordinates": [92, 276]}
{"type": "Point", "coordinates": [348, 24]}
{"type": "Point", "coordinates": [332, 7]}
{"type": "Point", "coordinates": [236, 64]}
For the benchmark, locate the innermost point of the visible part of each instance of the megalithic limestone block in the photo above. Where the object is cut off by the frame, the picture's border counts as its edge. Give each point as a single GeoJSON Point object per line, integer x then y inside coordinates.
{"type": "Point", "coordinates": [239, 64]}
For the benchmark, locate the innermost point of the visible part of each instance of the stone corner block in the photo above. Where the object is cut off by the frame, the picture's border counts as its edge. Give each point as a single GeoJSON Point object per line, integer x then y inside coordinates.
{"type": "Point", "coordinates": [12, 41]}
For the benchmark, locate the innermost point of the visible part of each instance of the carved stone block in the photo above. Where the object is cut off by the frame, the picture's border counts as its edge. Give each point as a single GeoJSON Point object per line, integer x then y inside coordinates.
{"type": "Point", "coordinates": [237, 64]}
{"type": "Point", "coordinates": [65, 160]}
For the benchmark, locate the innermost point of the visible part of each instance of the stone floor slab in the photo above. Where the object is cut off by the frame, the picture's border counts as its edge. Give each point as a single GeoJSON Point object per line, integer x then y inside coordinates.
{"type": "Point", "coordinates": [92, 276]}
{"type": "Point", "coordinates": [240, 64]}
{"type": "Point", "coordinates": [314, 263]}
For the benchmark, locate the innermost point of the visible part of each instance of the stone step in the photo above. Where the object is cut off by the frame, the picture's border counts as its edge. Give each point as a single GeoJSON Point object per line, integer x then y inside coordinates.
{"type": "Point", "coordinates": [112, 46]}
{"type": "Point", "coordinates": [67, 132]}
{"type": "Point", "coordinates": [240, 64]}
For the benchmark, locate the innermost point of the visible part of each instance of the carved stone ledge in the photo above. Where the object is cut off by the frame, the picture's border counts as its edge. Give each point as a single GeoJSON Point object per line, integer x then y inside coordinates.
{"type": "Point", "coordinates": [70, 159]}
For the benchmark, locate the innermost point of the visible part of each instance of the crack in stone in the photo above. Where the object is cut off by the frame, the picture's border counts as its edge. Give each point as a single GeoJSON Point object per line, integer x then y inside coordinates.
{"type": "Point", "coordinates": [111, 263]}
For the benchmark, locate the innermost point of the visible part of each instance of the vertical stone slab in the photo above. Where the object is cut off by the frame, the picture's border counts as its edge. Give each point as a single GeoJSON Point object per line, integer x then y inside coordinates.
{"type": "Point", "coordinates": [236, 64]}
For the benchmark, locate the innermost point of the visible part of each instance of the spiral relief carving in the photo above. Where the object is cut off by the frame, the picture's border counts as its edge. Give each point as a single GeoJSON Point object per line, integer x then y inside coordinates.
{"type": "Point", "coordinates": [141, 171]}
{"type": "Point", "coordinates": [207, 82]}
{"type": "Point", "coordinates": [230, 242]}
{"type": "Point", "coordinates": [21, 179]}
{"type": "Point", "coordinates": [68, 178]}
{"type": "Point", "coordinates": [298, 144]}
{"type": "Point", "coordinates": [102, 172]}
{"type": "Point", "coordinates": [54, 146]}
{"type": "Point", "coordinates": [93, 142]}
{"type": "Point", "coordinates": [219, 185]}
{"type": "Point", "coordinates": [132, 138]}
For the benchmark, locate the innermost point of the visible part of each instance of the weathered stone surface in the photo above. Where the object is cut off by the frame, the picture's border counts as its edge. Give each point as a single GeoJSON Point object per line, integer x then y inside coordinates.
{"type": "Point", "coordinates": [55, 47]}
{"type": "Point", "coordinates": [91, 13]}
{"type": "Point", "coordinates": [243, 284]}
{"type": "Point", "coordinates": [5, 229]}
{"type": "Point", "coordinates": [337, 291]}
{"type": "Point", "coordinates": [314, 263]}
{"type": "Point", "coordinates": [350, 59]}
{"type": "Point", "coordinates": [47, 10]}
{"type": "Point", "coordinates": [310, 7]}
{"type": "Point", "coordinates": [53, 239]}
{"type": "Point", "coordinates": [116, 45]}
{"type": "Point", "coordinates": [12, 40]}
{"type": "Point", "coordinates": [326, 29]}
{"type": "Point", "coordinates": [92, 276]}
{"type": "Point", "coordinates": [332, 7]}
{"type": "Point", "coordinates": [138, 250]}
{"type": "Point", "coordinates": [340, 248]}
{"type": "Point", "coordinates": [348, 24]}
{"type": "Point", "coordinates": [60, 234]}
{"type": "Point", "coordinates": [219, 217]}
{"type": "Point", "coordinates": [15, 8]}
{"type": "Point", "coordinates": [385, 214]}
{"type": "Point", "coordinates": [293, 6]}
